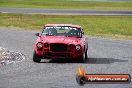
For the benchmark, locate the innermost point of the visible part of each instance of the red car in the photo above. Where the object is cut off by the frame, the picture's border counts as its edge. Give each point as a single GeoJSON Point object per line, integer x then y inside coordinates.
{"type": "Point", "coordinates": [61, 41]}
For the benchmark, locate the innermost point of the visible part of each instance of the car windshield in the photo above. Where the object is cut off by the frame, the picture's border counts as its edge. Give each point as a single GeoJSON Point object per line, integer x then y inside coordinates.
{"type": "Point", "coordinates": [62, 31]}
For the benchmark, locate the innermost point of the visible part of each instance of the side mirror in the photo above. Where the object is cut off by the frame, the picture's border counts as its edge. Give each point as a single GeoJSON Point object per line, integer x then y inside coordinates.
{"type": "Point", "coordinates": [37, 34]}
{"type": "Point", "coordinates": [83, 33]}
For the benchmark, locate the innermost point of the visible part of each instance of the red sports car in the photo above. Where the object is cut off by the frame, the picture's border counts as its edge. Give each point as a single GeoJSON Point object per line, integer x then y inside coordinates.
{"type": "Point", "coordinates": [61, 41]}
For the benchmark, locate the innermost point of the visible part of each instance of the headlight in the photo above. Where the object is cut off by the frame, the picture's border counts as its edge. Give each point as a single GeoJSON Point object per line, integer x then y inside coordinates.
{"type": "Point", "coordinates": [39, 45]}
{"type": "Point", "coordinates": [78, 47]}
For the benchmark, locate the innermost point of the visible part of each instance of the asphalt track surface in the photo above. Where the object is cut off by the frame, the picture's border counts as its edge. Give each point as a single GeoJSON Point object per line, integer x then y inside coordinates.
{"type": "Point", "coordinates": [66, 11]}
{"type": "Point", "coordinates": [106, 56]}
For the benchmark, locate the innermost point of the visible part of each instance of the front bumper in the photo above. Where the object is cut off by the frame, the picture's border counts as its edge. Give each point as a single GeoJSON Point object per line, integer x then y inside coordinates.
{"type": "Point", "coordinates": [59, 51]}
{"type": "Point", "coordinates": [59, 55]}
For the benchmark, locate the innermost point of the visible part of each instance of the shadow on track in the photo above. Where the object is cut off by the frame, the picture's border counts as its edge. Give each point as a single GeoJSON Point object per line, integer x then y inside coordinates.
{"type": "Point", "coordinates": [104, 60]}
{"type": "Point", "coordinates": [88, 61]}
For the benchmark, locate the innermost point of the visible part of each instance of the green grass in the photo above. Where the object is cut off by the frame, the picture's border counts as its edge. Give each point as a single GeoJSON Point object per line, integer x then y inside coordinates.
{"type": "Point", "coordinates": [65, 4]}
{"type": "Point", "coordinates": [93, 25]}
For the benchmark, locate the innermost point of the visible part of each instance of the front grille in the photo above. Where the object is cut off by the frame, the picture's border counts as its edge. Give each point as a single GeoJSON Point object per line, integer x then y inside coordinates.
{"type": "Point", "coordinates": [55, 47]}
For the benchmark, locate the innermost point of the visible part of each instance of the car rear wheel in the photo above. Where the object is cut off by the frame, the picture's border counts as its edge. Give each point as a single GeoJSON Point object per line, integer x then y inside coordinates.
{"type": "Point", "coordinates": [36, 58]}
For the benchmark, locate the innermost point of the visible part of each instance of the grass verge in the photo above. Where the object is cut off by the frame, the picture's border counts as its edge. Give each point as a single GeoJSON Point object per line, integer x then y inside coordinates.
{"type": "Point", "coordinates": [66, 4]}
{"type": "Point", "coordinates": [93, 25]}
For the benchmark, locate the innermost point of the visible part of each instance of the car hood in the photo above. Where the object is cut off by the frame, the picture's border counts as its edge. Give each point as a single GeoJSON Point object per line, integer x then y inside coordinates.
{"type": "Point", "coordinates": [61, 39]}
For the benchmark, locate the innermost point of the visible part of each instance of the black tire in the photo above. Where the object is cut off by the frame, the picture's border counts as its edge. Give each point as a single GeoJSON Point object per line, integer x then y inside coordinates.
{"type": "Point", "coordinates": [86, 55]}
{"type": "Point", "coordinates": [36, 58]}
{"type": "Point", "coordinates": [82, 58]}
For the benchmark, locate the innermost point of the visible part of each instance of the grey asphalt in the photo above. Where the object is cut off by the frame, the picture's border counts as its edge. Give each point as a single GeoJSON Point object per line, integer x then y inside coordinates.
{"type": "Point", "coordinates": [65, 11]}
{"type": "Point", "coordinates": [106, 56]}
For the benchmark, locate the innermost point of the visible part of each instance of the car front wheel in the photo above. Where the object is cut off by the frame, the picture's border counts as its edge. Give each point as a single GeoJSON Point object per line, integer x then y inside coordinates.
{"type": "Point", "coordinates": [86, 55]}
{"type": "Point", "coordinates": [36, 58]}
{"type": "Point", "coordinates": [82, 58]}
